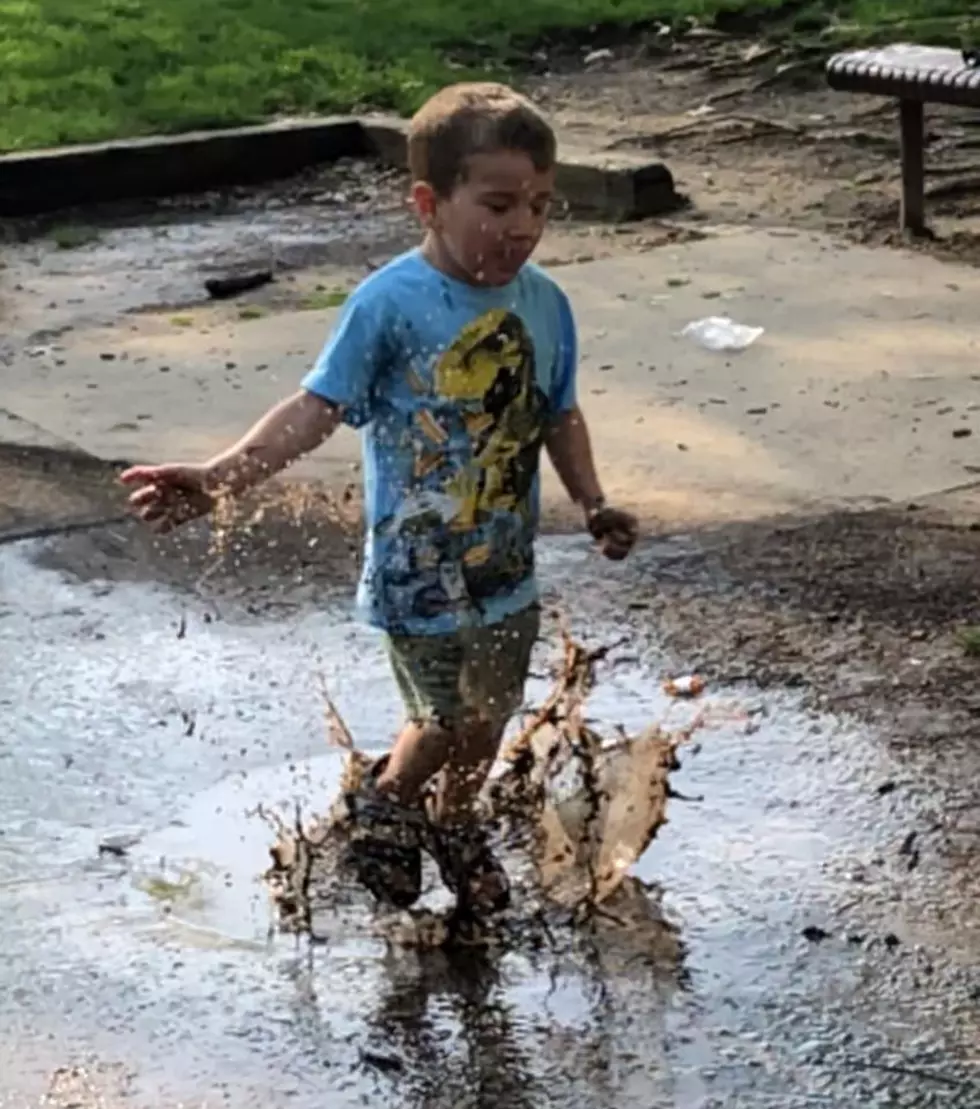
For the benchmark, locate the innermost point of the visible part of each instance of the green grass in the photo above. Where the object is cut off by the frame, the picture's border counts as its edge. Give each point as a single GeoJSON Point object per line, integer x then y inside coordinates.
{"type": "Point", "coordinates": [82, 70]}
{"type": "Point", "coordinates": [969, 640]}
{"type": "Point", "coordinates": [321, 299]}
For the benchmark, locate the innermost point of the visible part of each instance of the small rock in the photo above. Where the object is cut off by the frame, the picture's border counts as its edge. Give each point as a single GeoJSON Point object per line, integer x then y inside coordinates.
{"type": "Point", "coordinates": [388, 1063]}
{"type": "Point", "coordinates": [892, 941]}
{"type": "Point", "coordinates": [756, 411]}
{"type": "Point", "coordinates": [594, 57]}
{"type": "Point", "coordinates": [107, 356]}
{"type": "Point", "coordinates": [962, 432]}
{"type": "Point", "coordinates": [885, 788]}
{"type": "Point", "coordinates": [814, 934]}
{"type": "Point", "coordinates": [118, 844]}
{"type": "Point", "coordinates": [220, 288]}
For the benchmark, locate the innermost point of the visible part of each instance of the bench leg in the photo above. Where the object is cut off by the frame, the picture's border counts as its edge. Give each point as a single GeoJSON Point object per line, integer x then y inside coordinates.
{"type": "Point", "coordinates": [912, 119]}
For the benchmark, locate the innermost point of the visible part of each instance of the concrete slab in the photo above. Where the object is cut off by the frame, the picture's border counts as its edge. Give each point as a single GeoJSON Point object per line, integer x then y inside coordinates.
{"type": "Point", "coordinates": [864, 385]}
{"type": "Point", "coordinates": [21, 434]}
{"type": "Point", "coordinates": [616, 185]}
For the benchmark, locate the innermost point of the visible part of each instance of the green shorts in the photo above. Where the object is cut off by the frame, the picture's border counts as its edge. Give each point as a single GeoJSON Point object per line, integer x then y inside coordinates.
{"type": "Point", "coordinates": [472, 673]}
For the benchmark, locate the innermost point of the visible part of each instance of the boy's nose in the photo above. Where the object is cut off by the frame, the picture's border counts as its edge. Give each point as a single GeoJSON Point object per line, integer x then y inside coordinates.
{"type": "Point", "coordinates": [524, 225]}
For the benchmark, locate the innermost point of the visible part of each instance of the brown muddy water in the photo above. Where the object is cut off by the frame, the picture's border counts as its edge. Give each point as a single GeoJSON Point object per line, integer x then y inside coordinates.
{"type": "Point", "coordinates": [819, 967]}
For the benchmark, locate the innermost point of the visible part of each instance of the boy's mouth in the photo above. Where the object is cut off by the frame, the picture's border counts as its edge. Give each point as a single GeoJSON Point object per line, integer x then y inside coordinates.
{"type": "Point", "coordinates": [510, 259]}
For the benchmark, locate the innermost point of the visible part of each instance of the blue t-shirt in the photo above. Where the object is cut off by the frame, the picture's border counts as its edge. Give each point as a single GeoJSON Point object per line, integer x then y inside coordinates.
{"type": "Point", "coordinates": [453, 387]}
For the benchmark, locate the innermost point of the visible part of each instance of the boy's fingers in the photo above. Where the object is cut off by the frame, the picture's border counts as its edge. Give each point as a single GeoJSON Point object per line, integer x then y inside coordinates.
{"type": "Point", "coordinates": [147, 495]}
{"type": "Point", "coordinates": [139, 473]}
{"type": "Point", "coordinates": [157, 518]}
{"type": "Point", "coordinates": [181, 477]}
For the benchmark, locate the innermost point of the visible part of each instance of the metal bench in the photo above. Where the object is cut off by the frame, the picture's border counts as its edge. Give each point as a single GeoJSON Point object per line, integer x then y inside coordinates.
{"type": "Point", "coordinates": [915, 76]}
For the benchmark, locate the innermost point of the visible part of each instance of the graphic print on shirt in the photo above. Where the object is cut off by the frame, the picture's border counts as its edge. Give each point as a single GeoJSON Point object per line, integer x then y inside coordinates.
{"type": "Point", "coordinates": [464, 534]}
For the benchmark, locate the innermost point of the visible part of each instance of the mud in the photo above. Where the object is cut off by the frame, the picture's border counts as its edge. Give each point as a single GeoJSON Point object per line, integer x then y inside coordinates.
{"type": "Point", "coordinates": [568, 809]}
{"type": "Point", "coordinates": [818, 964]}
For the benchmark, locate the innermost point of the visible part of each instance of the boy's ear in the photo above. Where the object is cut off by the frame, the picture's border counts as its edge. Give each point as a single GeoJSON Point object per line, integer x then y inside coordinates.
{"type": "Point", "coordinates": [424, 200]}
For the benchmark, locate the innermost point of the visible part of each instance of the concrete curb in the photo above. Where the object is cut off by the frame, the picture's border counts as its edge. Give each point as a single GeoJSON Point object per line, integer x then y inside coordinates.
{"type": "Point", "coordinates": [604, 186]}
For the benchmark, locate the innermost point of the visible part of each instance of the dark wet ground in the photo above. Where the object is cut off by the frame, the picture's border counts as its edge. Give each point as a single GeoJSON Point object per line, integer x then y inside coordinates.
{"type": "Point", "coordinates": [92, 265]}
{"type": "Point", "coordinates": [830, 932]}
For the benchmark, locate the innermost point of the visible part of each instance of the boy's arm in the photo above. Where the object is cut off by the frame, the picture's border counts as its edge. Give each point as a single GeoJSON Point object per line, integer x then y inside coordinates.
{"type": "Point", "coordinates": [338, 388]}
{"type": "Point", "coordinates": [570, 447]}
{"type": "Point", "coordinates": [170, 495]}
{"type": "Point", "coordinates": [293, 428]}
{"type": "Point", "coordinates": [570, 450]}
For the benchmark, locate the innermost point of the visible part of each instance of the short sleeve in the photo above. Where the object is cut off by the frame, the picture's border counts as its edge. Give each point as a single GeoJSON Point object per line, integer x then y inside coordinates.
{"type": "Point", "coordinates": [350, 363]}
{"type": "Point", "coordinates": [564, 392]}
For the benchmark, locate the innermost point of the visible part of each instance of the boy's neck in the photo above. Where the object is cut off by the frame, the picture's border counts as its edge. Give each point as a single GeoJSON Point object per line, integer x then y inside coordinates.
{"type": "Point", "coordinates": [435, 253]}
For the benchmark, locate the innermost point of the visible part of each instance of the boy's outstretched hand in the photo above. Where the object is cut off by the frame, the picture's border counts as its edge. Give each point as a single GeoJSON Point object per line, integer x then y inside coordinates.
{"type": "Point", "coordinates": [168, 496]}
{"type": "Point", "coordinates": [614, 530]}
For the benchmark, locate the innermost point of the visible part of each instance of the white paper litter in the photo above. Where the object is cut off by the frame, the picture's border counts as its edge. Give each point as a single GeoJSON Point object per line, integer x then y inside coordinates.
{"type": "Point", "coordinates": [719, 333]}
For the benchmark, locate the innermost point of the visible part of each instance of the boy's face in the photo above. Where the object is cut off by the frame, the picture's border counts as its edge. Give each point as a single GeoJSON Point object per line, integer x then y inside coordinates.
{"type": "Point", "coordinates": [490, 224]}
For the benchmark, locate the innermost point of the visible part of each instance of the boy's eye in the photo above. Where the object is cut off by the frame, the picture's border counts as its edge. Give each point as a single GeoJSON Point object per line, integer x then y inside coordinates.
{"type": "Point", "coordinates": [498, 207]}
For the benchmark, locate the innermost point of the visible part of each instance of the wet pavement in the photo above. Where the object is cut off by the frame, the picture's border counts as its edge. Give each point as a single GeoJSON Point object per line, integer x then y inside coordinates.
{"type": "Point", "coordinates": [88, 267]}
{"type": "Point", "coordinates": [830, 955]}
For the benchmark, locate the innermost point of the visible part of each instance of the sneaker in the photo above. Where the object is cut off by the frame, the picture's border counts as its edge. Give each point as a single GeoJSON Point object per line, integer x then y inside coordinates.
{"type": "Point", "coordinates": [470, 869]}
{"type": "Point", "coordinates": [385, 843]}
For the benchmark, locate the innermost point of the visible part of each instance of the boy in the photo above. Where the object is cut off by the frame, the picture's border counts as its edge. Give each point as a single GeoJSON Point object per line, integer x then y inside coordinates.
{"type": "Point", "coordinates": [458, 361]}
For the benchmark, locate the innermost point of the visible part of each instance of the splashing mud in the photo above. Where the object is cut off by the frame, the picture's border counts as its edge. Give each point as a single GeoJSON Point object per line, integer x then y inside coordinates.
{"type": "Point", "coordinates": [582, 809]}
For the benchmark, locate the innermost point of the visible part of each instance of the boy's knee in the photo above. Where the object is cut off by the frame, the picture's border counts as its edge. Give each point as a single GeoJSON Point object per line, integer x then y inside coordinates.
{"type": "Point", "coordinates": [476, 736]}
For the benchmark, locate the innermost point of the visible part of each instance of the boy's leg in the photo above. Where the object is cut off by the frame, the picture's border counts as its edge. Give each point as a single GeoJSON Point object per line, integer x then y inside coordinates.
{"type": "Point", "coordinates": [460, 692]}
{"type": "Point", "coordinates": [492, 682]}
{"type": "Point", "coordinates": [427, 671]}
{"type": "Point", "coordinates": [389, 824]}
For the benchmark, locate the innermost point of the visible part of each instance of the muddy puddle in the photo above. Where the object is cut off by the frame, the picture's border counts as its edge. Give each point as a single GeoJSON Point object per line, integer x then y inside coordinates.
{"type": "Point", "coordinates": [139, 720]}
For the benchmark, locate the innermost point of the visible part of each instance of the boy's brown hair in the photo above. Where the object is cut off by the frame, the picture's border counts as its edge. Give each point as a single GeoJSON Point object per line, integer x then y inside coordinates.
{"type": "Point", "coordinates": [474, 118]}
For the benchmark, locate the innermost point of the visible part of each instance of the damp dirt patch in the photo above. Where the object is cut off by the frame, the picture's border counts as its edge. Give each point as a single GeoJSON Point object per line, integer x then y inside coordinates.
{"type": "Point", "coordinates": [752, 133]}
{"type": "Point", "coordinates": [870, 614]}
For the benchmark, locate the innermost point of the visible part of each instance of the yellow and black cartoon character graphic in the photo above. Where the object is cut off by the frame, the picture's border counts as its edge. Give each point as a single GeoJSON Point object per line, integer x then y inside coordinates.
{"type": "Point", "coordinates": [490, 371]}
